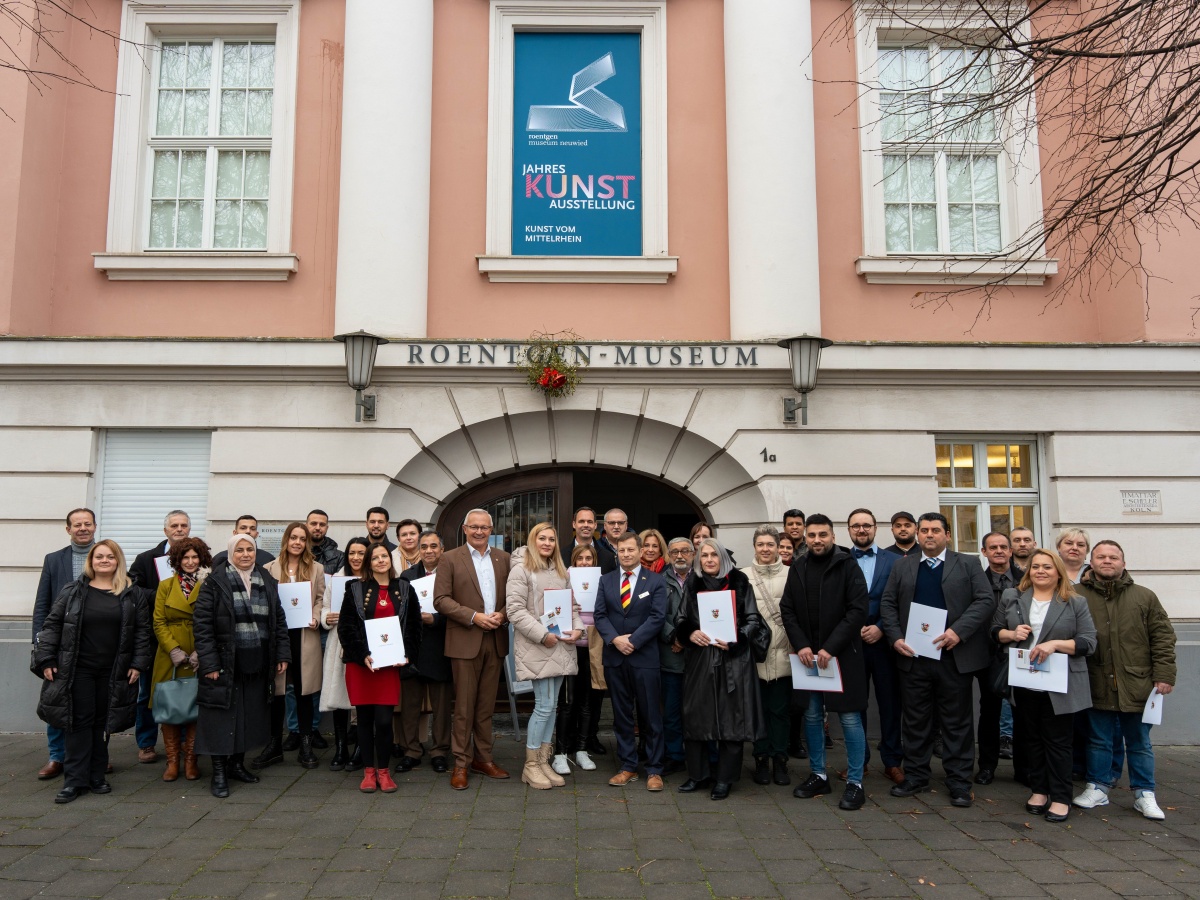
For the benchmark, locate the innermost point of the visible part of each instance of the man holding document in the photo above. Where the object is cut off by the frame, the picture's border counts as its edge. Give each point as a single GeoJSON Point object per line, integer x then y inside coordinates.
{"type": "Point", "coordinates": [936, 612]}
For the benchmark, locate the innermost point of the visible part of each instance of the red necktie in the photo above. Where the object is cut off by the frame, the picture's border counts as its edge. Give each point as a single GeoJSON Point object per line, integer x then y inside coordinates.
{"type": "Point", "coordinates": [626, 592]}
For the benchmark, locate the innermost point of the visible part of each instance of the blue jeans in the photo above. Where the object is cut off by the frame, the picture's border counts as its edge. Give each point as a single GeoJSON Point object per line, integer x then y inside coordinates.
{"type": "Point", "coordinates": [672, 693]}
{"type": "Point", "coordinates": [540, 729]}
{"type": "Point", "coordinates": [852, 730]}
{"type": "Point", "coordinates": [145, 728]}
{"type": "Point", "coordinates": [1006, 719]}
{"type": "Point", "coordinates": [1139, 754]}
{"type": "Point", "coordinates": [55, 741]}
{"type": "Point", "coordinates": [289, 703]}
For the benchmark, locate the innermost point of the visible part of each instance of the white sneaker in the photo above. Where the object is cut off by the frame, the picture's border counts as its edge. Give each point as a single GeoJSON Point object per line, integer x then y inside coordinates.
{"type": "Point", "coordinates": [560, 764]}
{"type": "Point", "coordinates": [1148, 806]}
{"type": "Point", "coordinates": [584, 761]}
{"type": "Point", "coordinates": [1093, 797]}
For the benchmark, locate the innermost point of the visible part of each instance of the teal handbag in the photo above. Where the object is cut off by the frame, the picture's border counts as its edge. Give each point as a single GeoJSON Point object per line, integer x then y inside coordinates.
{"type": "Point", "coordinates": [175, 700]}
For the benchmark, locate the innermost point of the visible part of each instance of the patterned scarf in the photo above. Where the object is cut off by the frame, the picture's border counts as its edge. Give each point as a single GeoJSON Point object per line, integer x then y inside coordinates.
{"type": "Point", "coordinates": [250, 616]}
{"type": "Point", "coordinates": [187, 582]}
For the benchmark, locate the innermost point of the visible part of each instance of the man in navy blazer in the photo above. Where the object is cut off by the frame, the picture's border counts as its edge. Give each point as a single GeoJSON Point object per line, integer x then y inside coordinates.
{"type": "Point", "coordinates": [876, 564]}
{"type": "Point", "coordinates": [59, 569]}
{"type": "Point", "coordinates": [631, 605]}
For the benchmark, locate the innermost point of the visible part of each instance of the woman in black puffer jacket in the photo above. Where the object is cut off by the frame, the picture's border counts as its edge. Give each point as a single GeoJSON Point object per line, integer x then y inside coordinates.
{"type": "Point", "coordinates": [93, 647]}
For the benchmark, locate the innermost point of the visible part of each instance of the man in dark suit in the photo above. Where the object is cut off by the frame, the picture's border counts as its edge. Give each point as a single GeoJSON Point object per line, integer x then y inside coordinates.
{"type": "Point", "coordinates": [584, 525]}
{"type": "Point", "coordinates": [177, 525]}
{"type": "Point", "coordinates": [876, 565]}
{"type": "Point", "coordinates": [433, 674]}
{"type": "Point", "coordinates": [470, 593]}
{"type": "Point", "coordinates": [59, 569]}
{"type": "Point", "coordinates": [631, 606]}
{"type": "Point", "coordinates": [940, 578]}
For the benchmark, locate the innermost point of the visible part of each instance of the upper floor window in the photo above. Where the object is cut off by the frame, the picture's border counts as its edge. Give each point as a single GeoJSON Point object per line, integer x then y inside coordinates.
{"type": "Point", "coordinates": [986, 485]}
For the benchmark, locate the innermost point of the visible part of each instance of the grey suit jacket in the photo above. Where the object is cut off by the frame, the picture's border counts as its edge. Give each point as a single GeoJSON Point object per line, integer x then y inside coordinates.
{"type": "Point", "coordinates": [970, 606]}
{"type": "Point", "coordinates": [56, 574]}
{"type": "Point", "coordinates": [1064, 621]}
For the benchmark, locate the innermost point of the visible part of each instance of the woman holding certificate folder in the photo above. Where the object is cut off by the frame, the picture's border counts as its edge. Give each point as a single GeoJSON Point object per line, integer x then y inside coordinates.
{"type": "Point", "coordinates": [1043, 615]}
{"type": "Point", "coordinates": [375, 691]}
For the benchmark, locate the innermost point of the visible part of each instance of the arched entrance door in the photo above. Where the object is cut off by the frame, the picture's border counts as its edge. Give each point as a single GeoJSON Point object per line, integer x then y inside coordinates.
{"type": "Point", "coordinates": [518, 502]}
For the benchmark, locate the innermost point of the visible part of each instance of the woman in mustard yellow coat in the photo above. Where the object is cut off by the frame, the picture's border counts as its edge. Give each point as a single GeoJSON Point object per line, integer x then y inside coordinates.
{"type": "Point", "coordinates": [176, 656]}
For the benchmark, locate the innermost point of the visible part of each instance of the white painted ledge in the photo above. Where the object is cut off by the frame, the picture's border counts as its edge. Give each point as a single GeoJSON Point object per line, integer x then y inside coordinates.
{"type": "Point", "coordinates": [580, 269]}
{"type": "Point", "coordinates": [953, 270]}
{"type": "Point", "coordinates": [196, 266]}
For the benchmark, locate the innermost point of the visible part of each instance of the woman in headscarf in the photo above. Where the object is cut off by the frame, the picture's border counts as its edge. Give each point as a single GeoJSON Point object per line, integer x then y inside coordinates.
{"type": "Point", "coordinates": [242, 644]}
{"type": "Point", "coordinates": [720, 685]}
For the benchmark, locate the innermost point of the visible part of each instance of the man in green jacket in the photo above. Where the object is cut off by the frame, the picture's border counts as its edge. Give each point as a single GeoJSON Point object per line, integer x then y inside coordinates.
{"type": "Point", "coordinates": [1135, 656]}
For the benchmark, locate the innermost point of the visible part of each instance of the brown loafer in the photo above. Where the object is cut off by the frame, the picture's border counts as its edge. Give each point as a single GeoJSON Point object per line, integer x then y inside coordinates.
{"type": "Point", "coordinates": [52, 769]}
{"type": "Point", "coordinates": [489, 768]}
{"type": "Point", "coordinates": [895, 773]}
{"type": "Point", "coordinates": [623, 778]}
{"type": "Point", "coordinates": [842, 773]}
{"type": "Point", "coordinates": [147, 755]}
{"type": "Point", "coordinates": [458, 778]}
{"type": "Point", "coordinates": [654, 783]}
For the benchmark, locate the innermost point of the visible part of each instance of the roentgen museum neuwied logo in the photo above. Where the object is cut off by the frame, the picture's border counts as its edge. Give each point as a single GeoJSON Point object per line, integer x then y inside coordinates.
{"type": "Point", "coordinates": [589, 109]}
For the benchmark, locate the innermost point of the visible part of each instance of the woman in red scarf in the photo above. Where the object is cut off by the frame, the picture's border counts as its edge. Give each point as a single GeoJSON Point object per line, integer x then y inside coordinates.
{"type": "Point", "coordinates": [654, 550]}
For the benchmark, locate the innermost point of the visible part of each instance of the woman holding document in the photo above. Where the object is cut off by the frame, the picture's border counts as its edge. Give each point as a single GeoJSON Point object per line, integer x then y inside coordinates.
{"type": "Point", "coordinates": [333, 671]}
{"type": "Point", "coordinates": [1043, 616]}
{"type": "Point", "coordinates": [296, 566]}
{"type": "Point", "coordinates": [373, 605]}
{"type": "Point", "coordinates": [546, 624]}
{"type": "Point", "coordinates": [721, 699]}
{"type": "Point", "coordinates": [579, 711]}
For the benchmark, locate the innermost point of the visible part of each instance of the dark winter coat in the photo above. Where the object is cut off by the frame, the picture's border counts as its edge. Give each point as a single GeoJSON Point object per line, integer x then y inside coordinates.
{"type": "Point", "coordinates": [213, 625]}
{"type": "Point", "coordinates": [432, 664]}
{"type": "Point", "coordinates": [58, 647]}
{"type": "Point", "coordinates": [721, 700]}
{"type": "Point", "coordinates": [359, 604]}
{"type": "Point", "coordinates": [842, 613]}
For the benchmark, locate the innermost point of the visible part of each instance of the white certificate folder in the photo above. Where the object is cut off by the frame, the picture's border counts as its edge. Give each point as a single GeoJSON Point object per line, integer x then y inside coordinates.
{"type": "Point", "coordinates": [423, 587]}
{"type": "Point", "coordinates": [385, 641]}
{"type": "Point", "coordinates": [1048, 675]}
{"type": "Point", "coordinates": [585, 582]}
{"type": "Point", "coordinates": [718, 615]}
{"type": "Point", "coordinates": [296, 600]}
{"type": "Point", "coordinates": [814, 678]}
{"type": "Point", "coordinates": [924, 624]}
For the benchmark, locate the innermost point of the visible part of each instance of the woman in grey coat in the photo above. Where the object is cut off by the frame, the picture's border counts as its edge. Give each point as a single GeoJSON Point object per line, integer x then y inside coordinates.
{"type": "Point", "coordinates": [1044, 615]}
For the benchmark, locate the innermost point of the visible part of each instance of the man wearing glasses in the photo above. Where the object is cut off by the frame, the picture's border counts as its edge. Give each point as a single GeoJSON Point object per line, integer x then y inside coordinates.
{"type": "Point", "coordinates": [470, 592]}
{"type": "Point", "coordinates": [616, 523]}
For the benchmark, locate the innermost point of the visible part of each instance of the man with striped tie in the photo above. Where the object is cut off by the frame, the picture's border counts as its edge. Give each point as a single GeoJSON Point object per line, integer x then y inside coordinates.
{"type": "Point", "coordinates": [631, 604]}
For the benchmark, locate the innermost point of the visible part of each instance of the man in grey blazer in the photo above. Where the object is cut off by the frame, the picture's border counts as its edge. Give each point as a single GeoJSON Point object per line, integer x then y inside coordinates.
{"type": "Point", "coordinates": [939, 577]}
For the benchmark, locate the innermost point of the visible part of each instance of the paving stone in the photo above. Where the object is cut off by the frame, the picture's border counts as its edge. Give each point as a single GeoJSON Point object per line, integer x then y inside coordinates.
{"type": "Point", "coordinates": [741, 884]}
{"type": "Point", "coordinates": [346, 884]}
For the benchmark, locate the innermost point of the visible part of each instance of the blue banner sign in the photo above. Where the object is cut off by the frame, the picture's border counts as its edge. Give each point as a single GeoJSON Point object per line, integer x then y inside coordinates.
{"type": "Point", "coordinates": [577, 144]}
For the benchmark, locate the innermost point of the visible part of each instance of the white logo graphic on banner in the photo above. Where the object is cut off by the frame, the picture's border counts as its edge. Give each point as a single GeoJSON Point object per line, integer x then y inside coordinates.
{"type": "Point", "coordinates": [589, 109]}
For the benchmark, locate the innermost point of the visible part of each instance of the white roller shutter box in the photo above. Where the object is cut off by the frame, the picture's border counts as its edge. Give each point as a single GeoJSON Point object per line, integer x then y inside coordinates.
{"type": "Point", "coordinates": [145, 475]}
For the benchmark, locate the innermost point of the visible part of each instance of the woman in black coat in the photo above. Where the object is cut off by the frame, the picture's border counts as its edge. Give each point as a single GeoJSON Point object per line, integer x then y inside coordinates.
{"type": "Point", "coordinates": [93, 647]}
{"type": "Point", "coordinates": [720, 684]}
{"type": "Point", "coordinates": [242, 643]}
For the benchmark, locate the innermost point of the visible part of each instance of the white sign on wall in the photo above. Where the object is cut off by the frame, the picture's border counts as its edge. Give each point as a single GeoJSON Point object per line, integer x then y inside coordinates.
{"type": "Point", "coordinates": [1141, 503]}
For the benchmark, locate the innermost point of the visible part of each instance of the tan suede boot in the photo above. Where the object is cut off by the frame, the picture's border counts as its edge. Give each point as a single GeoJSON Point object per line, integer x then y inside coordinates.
{"type": "Point", "coordinates": [191, 769]}
{"type": "Point", "coordinates": [171, 743]}
{"type": "Point", "coordinates": [544, 755]}
{"type": "Point", "coordinates": [532, 774]}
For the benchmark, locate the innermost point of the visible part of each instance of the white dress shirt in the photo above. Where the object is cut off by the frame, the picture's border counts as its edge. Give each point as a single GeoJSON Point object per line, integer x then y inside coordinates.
{"type": "Point", "coordinates": [487, 578]}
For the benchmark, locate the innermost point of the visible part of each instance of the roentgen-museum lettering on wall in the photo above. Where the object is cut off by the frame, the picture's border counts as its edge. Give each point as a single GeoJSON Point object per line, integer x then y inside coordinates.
{"type": "Point", "coordinates": [577, 144]}
{"type": "Point", "coordinates": [600, 356]}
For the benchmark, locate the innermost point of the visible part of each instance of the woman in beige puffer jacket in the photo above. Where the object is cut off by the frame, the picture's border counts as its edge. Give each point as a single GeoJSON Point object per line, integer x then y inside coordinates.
{"type": "Point", "coordinates": [541, 656]}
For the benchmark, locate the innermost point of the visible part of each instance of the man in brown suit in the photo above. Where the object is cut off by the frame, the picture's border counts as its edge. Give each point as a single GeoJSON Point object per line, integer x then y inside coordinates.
{"type": "Point", "coordinates": [470, 592]}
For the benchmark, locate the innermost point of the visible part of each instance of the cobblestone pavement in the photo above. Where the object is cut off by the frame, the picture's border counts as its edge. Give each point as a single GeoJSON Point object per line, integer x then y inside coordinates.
{"type": "Point", "coordinates": [312, 834]}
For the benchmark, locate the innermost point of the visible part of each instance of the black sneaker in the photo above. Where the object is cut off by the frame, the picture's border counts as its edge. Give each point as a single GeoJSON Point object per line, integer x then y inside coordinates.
{"type": "Point", "coordinates": [813, 786]}
{"type": "Point", "coordinates": [908, 788]}
{"type": "Point", "coordinates": [1006, 748]}
{"type": "Point", "coordinates": [853, 797]}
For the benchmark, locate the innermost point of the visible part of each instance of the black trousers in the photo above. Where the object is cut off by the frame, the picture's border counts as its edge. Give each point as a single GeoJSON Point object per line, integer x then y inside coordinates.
{"type": "Point", "coordinates": [729, 760]}
{"type": "Point", "coordinates": [637, 692]}
{"type": "Point", "coordinates": [1047, 740]}
{"type": "Point", "coordinates": [86, 744]}
{"type": "Point", "coordinates": [304, 714]}
{"type": "Point", "coordinates": [988, 728]}
{"type": "Point", "coordinates": [881, 672]}
{"type": "Point", "coordinates": [375, 734]}
{"type": "Point", "coordinates": [937, 685]}
{"type": "Point", "coordinates": [574, 707]}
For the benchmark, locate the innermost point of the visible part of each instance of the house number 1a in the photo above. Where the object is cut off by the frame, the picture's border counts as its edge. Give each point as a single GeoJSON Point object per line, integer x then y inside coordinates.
{"type": "Point", "coordinates": [767, 457]}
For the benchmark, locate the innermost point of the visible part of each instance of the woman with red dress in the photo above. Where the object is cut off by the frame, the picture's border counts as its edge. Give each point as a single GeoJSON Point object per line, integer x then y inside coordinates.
{"type": "Point", "coordinates": [375, 693]}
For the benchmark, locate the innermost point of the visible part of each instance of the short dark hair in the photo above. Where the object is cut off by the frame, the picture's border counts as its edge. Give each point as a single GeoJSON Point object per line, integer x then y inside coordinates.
{"type": "Point", "coordinates": [429, 532]}
{"type": "Point", "coordinates": [992, 534]}
{"type": "Point", "coordinates": [413, 522]}
{"type": "Point", "coordinates": [1110, 544]}
{"type": "Point", "coordinates": [176, 553]}
{"type": "Point", "coordinates": [934, 517]}
{"type": "Point", "coordinates": [863, 511]}
{"type": "Point", "coordinates": [317, 512]}
{"type": "Point", "coordinates": [629, 536]}
{"type": "Point", "coordinates": [818, 519]}
{"type": "Point", "coordinates": [245, 518]}
{"type": "Point", "coordinates": [1019, 528]}
{"type": "Point", "coordinates": [80, 509]}
{"type": "Point", "coordinates": [583, 509]}
{"type": "Point", "coordinates": [794, 514]}
{"type": "Point", "coordinates": [378, 509]}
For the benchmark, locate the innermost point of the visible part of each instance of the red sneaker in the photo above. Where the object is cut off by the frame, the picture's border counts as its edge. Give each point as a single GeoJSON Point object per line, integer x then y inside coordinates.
{"type": "Point", "coordinates": [368, 783]}
{"type": "Point", "coordinates": [386, 783]}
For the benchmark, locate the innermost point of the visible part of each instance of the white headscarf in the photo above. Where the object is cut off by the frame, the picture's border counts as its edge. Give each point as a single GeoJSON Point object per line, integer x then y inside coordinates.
{"type": "Point", "coordinates": [234, 540]}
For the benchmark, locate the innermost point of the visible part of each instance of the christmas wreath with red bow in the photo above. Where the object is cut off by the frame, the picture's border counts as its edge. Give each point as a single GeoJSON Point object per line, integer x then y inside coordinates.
{"type": "Point", "coordinates": [550, 364]}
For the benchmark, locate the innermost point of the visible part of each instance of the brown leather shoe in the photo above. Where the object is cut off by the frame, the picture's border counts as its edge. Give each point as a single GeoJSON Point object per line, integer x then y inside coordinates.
{"type": "Point", "coordinates": [489, 768]}
{"type": "Point", "coordinates": [654, 783]}
{"type": "Point", "coordinates": [458, 778]}
{"type": "Point", "coordinates": [895, 773]}
{"type": "Point", "coordinates": [623, 778]}
{"type": "Point", "coordinates": [108, 770]}
{"type": "Point", "coordinates": [52, 769]}
{"type": "Point", "coordinates": [147, 755]}
{"type": "Point", "coordinates": [842, 773]}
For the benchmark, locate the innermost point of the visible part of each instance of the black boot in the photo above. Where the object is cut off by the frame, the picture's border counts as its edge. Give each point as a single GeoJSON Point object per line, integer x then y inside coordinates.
{"type": "Point", "coordinates": [306, 758]}
{"type": "Point", "coordinates": [340, 755]}
{"type": "Point", "coordinates": [355, 761]}
{"type": "Point", "coordinates": [779, 770]}
{"type": "Point", "coordinates": [291, 742]}
{"type": "Point", "coordinates": [220, 784]}
{"type": "Point", "coordinates": [762, 770]}
{"type": "Point", "coordinates": [235, 768]}
{"type": "Point", "coordinates": [271, 754]}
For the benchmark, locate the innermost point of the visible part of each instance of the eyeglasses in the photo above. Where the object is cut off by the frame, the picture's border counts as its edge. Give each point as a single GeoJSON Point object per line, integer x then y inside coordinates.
{"type": "Point", "coordinates": [861, 527]}
{"type": "Point", "coordinates": [681, 552]}
{"type": "Point", "coordinates": [621, 522]}
{"type": "Point", "coordinates": [479, 528]}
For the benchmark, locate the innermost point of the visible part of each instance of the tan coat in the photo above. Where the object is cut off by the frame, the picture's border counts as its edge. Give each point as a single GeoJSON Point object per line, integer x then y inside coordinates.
{"type": "Point", "coordinates": [768, 583]}
{"type": "Point", "coordinates": [526, 606]}
{"type": "Point", "coordinates": [311, 659]}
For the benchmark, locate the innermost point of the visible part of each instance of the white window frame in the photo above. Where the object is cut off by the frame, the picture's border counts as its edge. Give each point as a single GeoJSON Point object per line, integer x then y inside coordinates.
{"type": "Point", "coordinates": [983, 497]}
{"type": "Point", "coordinates": [649, 17]}
{"type": "Point", "coordinates": [1019, 169]}
{"type": "Point", "coordinates": [144, 27]}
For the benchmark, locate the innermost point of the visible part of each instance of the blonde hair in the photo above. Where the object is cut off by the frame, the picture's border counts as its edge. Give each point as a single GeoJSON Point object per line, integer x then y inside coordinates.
{"type": "Point", "coordinates": [1065, 590]}
{"type": "Point", "coordinates": [304, 565]}
{"type": "Point", "coordinates": [1072, 533]}
{"type": "Point", "coordinates": [120, 577]}
{"type": "Point", "coordinates": [534, 561]}
{"type": "Point", "coordinates": [657, 535]}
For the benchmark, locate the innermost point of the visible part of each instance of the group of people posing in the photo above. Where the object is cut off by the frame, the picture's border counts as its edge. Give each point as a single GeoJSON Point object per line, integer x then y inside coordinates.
{"type": "Point", "coordinates": [105, 639]}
